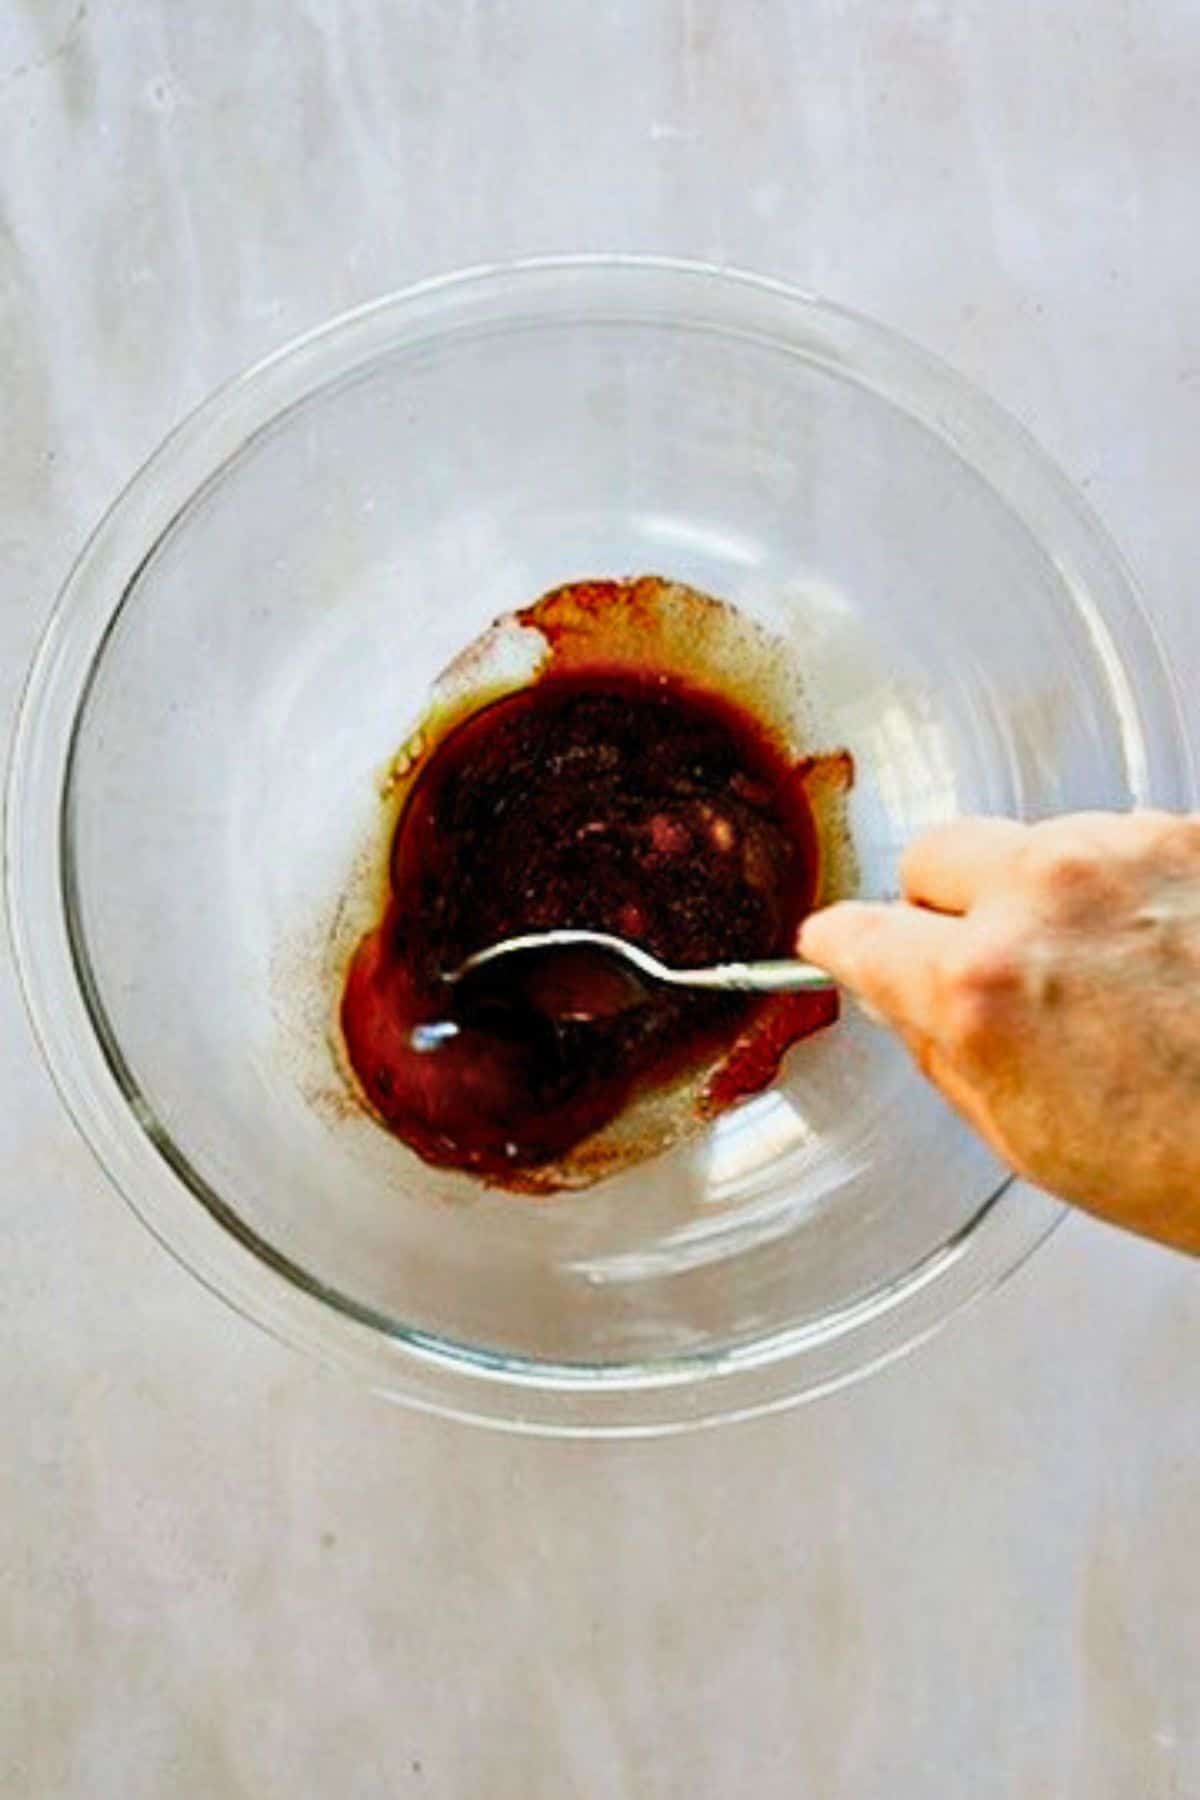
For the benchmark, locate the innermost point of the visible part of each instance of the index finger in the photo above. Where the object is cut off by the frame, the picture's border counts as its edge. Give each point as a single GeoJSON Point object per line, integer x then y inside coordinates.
{"type": "Point", "coordinates": [951, 867]}
{"type": "Point", "coordinates": [891, 955]}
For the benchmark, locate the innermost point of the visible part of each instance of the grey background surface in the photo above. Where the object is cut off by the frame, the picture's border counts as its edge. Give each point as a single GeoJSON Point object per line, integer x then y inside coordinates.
{"type": "Point", "coordinates": [223, 1573]}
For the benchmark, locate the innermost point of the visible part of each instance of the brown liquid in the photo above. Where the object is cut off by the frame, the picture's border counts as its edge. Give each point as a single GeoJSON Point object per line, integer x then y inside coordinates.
{"type": "Point", "coordinates": [611, 800]}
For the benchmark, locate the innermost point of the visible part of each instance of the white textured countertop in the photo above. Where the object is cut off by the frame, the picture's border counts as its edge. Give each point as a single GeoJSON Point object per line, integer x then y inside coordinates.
{"type": "Point", "coordinates": [224, 1574]}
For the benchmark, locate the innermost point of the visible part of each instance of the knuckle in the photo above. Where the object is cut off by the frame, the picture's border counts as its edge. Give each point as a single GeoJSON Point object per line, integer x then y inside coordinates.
{"type": "Point", "coordinates": [990, 970]}
{"type": "Point", "coordinates": [1067, 873]}
{"type": "Point", "coordinates": [1060, 867]}
{"type": "Point", "coordinates": [979, 990]}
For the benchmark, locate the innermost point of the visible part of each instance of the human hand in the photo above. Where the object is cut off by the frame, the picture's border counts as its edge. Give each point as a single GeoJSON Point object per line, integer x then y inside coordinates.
{"type": "Point", "coordinates": [1047, 979]}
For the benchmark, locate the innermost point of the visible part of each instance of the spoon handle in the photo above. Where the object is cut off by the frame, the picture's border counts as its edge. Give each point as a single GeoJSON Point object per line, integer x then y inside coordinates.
{"type": "Point", "coordinates": [785, 976]}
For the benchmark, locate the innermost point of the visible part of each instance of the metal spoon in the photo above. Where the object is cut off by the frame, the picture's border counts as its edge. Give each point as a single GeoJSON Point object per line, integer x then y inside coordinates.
{"type": "Point", "coordinates": [787, 975]}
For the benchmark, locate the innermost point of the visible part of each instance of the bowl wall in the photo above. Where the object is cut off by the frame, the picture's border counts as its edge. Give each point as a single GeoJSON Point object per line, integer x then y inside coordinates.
{"type": "Point", "coordinates": [255, 632]}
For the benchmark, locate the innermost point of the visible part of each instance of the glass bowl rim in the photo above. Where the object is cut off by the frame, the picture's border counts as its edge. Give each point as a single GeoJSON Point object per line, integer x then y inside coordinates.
{"type": "Point", "coordinates": [84, 1060]}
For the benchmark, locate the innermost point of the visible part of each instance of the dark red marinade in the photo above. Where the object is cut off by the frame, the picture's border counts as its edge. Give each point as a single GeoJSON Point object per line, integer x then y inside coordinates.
{"type": "Point", "coordinates": [631, 803]}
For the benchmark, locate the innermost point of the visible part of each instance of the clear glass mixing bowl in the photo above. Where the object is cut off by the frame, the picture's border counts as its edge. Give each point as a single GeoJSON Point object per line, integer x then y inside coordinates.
{"type": "Point", "coordinates": [250, 634]}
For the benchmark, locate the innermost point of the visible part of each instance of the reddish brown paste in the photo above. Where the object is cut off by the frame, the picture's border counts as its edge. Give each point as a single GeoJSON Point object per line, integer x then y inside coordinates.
{"type": "Point", "coordinates": [615, 800]}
